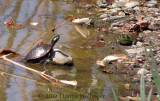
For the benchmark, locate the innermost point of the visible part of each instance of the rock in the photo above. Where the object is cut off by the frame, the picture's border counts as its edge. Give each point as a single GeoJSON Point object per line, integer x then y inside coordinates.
{"type": "Point", "coordinates": [151, 3]}
{"type": "Point", "coordinates": [142, 71]}
{"type": "Point", "coordinates": [136, 8]}
{"type": "Point", "coordinates": [121, 14]}
{"type": "Point", "coordinates": [101, 3]}
{"type": "Point", "coordinates": [59, 58]}
{"type": "Point", "coordinates": [131, 4]}
{"type": "Point", "coordinates": [115, 5]}
{"type": "Point", "coordinates": [135, 51]}
{"type": "Point", "coordinates": [153, 9]}
{"type": "Point", "coordinates": [139, 44]}
{"type": "Point", "coordinates": [103, 16]}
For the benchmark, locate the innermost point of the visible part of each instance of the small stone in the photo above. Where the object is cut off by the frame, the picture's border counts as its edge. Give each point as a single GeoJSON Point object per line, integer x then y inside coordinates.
{"type": "Point", "coordinates": [152, 2]}
{"type": "Point", "coordinates": [103, 16]}
{"type": "Point", "coordinates": [141, 71]}
{"type": "Point", "coordinates": [135, 51]}
{"type": "Point", "coordinates": [139, 44]}
{"type": "Point", "coordinates": [115, 5]}
{"type": "Point", "coordinates": [131, 4]}
{"type": "Point", "coordinates": [136, 8]}
{"type": "Point", "coordinates": [153, 9]}
{"type": "Point", "coordinates": [127, 86]}
{"type": "Point", "coordinates": [121, 13]}
{"type": "Point", "coordinates": [147, 31]}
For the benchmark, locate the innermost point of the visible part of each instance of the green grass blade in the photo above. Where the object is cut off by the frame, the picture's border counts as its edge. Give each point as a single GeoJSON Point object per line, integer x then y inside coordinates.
{"type": "Point", "coordinates": [114, 93]}
{"type": "Point", "coordinates": [142, 88]}
{"type": "Point", "coordinates": [137, 97]}
{"type": "Point", "coordinates": [154, 70]}
{"type": "Point", "coordinates": [149, 95]}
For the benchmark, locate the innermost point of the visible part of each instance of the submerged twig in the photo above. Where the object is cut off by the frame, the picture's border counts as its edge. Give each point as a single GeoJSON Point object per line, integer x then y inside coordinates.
{"type": "Point", "coordinates": [21, 90]}
{"type": "Point", "coordinates": [45, 76]}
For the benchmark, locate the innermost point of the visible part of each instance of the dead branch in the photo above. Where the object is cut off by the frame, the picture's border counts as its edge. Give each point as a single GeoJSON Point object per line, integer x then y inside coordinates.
{"type": "Point", "coordinates": [45, 76]}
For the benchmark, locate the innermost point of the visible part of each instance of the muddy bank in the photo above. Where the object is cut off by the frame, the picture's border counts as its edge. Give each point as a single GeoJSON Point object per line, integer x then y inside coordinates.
{"type": "Point", "coordinates": [115, 20]}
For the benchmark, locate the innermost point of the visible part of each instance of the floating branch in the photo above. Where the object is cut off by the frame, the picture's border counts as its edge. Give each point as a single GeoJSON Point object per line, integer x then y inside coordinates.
{"type": "Point", "coordinates": [45, 76]}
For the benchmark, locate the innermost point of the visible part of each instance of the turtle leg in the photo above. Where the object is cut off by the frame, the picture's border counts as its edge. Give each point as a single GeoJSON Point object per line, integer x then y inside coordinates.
{"type": "Point", "coordinates": [43, 60]}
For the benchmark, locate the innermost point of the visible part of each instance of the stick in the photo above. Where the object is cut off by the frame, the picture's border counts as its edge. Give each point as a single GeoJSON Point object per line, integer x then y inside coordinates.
{"type": "Point", "coordinates": [38, 72]}
{"type": "Point", "coordinates": [41, 37]}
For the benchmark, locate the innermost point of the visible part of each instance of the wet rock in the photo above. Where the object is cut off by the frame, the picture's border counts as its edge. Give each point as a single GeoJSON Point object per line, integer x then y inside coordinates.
{"type": "Point", "coordinates": [59, 58]}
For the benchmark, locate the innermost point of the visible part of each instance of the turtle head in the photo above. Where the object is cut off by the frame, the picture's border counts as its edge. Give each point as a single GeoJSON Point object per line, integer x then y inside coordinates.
{"type": "Point", "coordinates": [55, 39]}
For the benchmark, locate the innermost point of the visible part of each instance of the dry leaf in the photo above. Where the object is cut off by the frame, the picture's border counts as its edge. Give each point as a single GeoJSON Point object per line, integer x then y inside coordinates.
{"type": "Point", "coordinates": [18, 26]}
{"type": "Point", "coordinates": [139, 19]}
{"type": "Point", "coordinates": [106, 70]}
{"type": "Point", "coordinates": [6, 51]}
{"type": "Point", "coordinates": [11, 22]}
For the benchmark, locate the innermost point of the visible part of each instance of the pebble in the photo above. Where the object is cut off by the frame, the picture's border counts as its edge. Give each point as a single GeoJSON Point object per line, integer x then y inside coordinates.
{"type": "Point", "coordinates": [121, 14]}
{"type": "Point", "coordinates": [136, 8]}
{"type": "Point", "coordinates": [103, 16]}
{"type": "Point", "coordinates": [141, 71]}
{"type": "Point", "coordinates": [135, 51]}
{"type": "Point", "coordinates": [131, 4]}
{"type": "Point", "coordinates": [153, 9]}
{"type": "Point", "coordinates": [139, 44]}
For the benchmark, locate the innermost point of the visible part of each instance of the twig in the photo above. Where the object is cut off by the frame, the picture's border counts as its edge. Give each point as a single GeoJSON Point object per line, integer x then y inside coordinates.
{"type": "Point", "coordinates": [41, 37]}
{"type": "Point", "coordinates": [25, 96]}
{"type": "Point", "coordinates": [23, 77]}
{"type": "Point", "coordinates": [38, 72]}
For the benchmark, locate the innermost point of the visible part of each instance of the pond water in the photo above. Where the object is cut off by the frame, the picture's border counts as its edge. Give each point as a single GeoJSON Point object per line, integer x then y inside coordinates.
{"type": "Point", "coordinates": [50, 13]}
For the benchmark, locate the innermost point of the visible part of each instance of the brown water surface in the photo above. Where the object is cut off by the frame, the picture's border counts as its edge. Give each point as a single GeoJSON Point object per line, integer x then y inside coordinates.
{"type": "Point", "coordinates": [50, 13]}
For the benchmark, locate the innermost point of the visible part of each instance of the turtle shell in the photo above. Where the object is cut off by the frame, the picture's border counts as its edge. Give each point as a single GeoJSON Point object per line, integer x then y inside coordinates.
{"type": "Point", "coordinates": [38, 53]}
{"type": "Point", "coordinates": [41, 51]}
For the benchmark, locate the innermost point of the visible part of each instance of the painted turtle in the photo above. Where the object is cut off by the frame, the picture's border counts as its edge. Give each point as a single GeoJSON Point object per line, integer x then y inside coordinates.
{"type": "Point", "coordinates": [41, 52]}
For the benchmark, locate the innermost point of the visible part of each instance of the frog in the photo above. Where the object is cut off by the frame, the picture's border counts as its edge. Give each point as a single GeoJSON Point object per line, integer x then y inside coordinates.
{"type": "Point", "coordinates": [126, 39]}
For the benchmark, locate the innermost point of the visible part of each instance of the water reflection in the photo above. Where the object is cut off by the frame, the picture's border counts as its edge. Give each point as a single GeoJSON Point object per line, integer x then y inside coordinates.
{"type": "Point", "coordinates": [48, 14]}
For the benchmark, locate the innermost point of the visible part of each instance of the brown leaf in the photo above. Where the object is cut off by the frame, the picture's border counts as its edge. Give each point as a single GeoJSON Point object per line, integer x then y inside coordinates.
{"type": "Point", "coordinates": [18, 26]}
{"type": "Point", "coordinates": [127, 26]}
{"type": "Point", "coordinates": [6, 51]}
{"type": "Point", "coordinates": [144, 25]}
{"type": "Point", "coordinates": [106, 70]}
{"type": "Point", "coordinates": [11, 22]}
{"type": "Point", "coordinates": [139, 19]}
{"type": "Point", "coordinates": [104, 30]}
{"type": "Point", "coordinates": [99, 44]}
{"type": "Point", "coordinates": [135, 28]}
{"type": "Point", "coordinates": [144, 9]}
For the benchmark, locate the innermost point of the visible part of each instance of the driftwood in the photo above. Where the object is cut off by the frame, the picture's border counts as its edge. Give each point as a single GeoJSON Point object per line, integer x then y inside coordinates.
{"type": "Point", "coordinates": [45, 76]}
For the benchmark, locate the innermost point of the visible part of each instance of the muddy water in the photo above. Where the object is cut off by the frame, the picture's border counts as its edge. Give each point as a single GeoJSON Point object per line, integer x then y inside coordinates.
{"type": "Point", "coordinates": [50, 13]}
